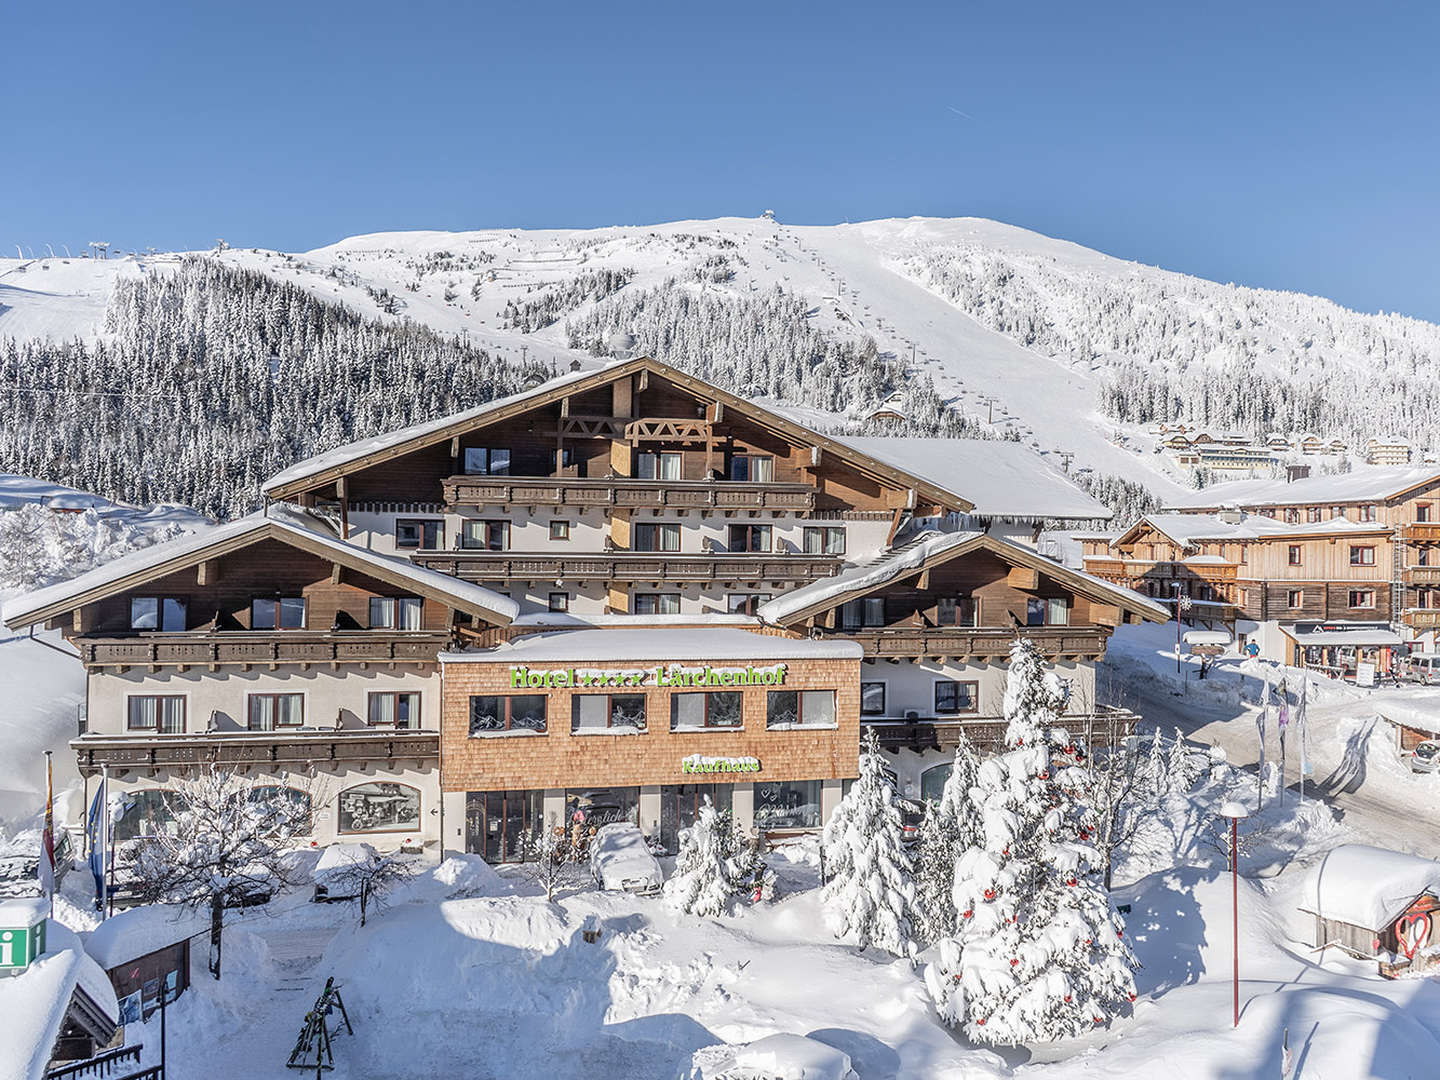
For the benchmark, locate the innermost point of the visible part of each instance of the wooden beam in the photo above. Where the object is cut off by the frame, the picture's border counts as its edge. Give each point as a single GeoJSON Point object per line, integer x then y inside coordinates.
{"type": "Point", "coordinates": [1106, 614]}
{"type": "Point", "coordinates": [923, 581]}
{"type": "Point", "coordinates": [207, 573]}
{"type": "Point", "coordinates": [1022, 577]}
{"type": "Point", "coordinates": [622, 398]}
{"type": "Point", "coordinates": [642, 381]}
{"type": "Point", "coordinates": [565, 405]}
{"type": "Point", "coordinates": [816, 454]}
{"type": "Point", "coordinates": [335, 573]}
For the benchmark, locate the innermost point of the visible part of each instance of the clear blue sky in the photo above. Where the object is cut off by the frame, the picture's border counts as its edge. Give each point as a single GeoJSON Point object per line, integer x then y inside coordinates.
{"type": "Point", "coordinates": [1280, 144]}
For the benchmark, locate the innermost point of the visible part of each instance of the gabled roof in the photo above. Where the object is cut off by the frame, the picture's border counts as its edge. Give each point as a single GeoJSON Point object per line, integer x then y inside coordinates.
{"type": "Point", "coordinates": [286, 524]}
{"type": "Point", "coordinates": [1186, 529]}
{"type": "Point", "coordinates": [333, 464]}
{"type": "Point", "coordinates": [928, 549]}
{"type": "Point", "coordinates": [1357, 486]}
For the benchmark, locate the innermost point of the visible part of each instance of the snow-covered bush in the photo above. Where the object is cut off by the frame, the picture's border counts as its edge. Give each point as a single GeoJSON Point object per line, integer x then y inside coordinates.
{"type": "Point", "coordinates": [1039, 953]}
{"type": "Point", "coordinates": [950, 826]}
{"type": "Point", "coordinates": [705, 873]}
{"type": "Point", "coordinates": [870, 890]}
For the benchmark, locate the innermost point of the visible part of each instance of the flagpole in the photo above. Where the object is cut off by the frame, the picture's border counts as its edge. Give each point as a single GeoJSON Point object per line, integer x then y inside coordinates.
{"type": "Point", "coordinates": [104, 837]}
{"type": "Point", "coordinates": [47, 842]}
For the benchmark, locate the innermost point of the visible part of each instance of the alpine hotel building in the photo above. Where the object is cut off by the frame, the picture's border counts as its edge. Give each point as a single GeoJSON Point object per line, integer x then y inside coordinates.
{"type": "Point", "coordinates": [607, 597]}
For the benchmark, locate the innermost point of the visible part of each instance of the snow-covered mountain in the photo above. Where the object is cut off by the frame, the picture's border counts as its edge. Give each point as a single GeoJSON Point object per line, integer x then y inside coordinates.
{"type": "Point", "coordinates": [1023, 336]}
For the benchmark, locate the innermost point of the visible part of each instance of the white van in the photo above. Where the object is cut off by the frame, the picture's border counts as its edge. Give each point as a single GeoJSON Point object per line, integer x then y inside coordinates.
{"type": "Point", "coordinates": [1424, 667]}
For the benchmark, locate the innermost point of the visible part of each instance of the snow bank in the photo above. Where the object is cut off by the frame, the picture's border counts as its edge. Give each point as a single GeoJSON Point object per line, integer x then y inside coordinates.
{"type": "Point", "coordinates": [138, 931]}
{"type": "Point", "coordinates": [34, 1003]}
{"type": "Point", "coordinates": [775, 1057]}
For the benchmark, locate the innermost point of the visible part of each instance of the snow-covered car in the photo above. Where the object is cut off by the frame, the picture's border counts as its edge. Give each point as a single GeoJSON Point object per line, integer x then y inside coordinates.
{"type": "Point", "coordinates": [335, 877]}
{"type": "Point", "coordinates": [20, 862]}
{"type": "Point", "coordinates": [775, 1057]}
{"type": "Point", "coordinates": [620, 859]}
{"type": "Point", "coordinates": [1426, 757]}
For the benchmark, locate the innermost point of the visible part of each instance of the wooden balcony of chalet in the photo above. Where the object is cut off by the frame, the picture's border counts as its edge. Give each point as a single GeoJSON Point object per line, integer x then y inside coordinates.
{"type": "Point", "coordinates": [1421, 618]}
{"type": "Point", "coordinates": [1421, 531]}
{"type": "Point", "coordinates": [1104, 727]}
{"type": "Point", "coordinates": [287, 746]}
{"type": "Point", "coordinates": [214, 648]}
{"type": "Point", "coordinates": [979, 643]}
{"type": "Point", "coordinates": [1422, 575]}
{"type": "Point", "coordinates": [480, 491]}
{"type": "Point", "coordinates": [630, 566]}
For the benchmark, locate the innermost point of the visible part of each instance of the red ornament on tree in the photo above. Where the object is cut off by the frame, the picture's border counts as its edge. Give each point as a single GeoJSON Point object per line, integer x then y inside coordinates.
{"type": "Point", "coordinates": [1070, 882]}
{"type": "Point", "coordinates": [1020, 742]}
{"type": "Point", "coordinates": [1089, 941]}
{"type": "Point", "coordinates": [1067, 999]}
{"type": "Point", "coordinates": [1044, 774]}
{"type": "Point", "coordinates": [989, 894]}
{"type": "Point", "coordinates": [1014, 962]}
{"type": "Point", "coordinates": [1132, 997]}
{"type": "Point", "coordinates": [967, 913]}
{"type": "Point", "coordinates": [981, 1022]}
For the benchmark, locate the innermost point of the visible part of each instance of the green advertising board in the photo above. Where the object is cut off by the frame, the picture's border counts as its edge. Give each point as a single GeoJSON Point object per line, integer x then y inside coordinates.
{"type": "Point", "coordinates": [22, 933]}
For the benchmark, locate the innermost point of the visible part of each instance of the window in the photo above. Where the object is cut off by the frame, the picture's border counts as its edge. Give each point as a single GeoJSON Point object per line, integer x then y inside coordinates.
{"type": "Point", "coordinates": [759, 468]}
{"type": "Point", "coordinates": [518, 712]}
{"type": "Point", "coordinates": [657, 465]}
{"type": "Point", "coordinates": [957, 611]}
{"type": "Point", "coordinates": [485, 535]}
{"type": "Point", "coordinates": [744, 603]}
{"type": "Point", "coordinates": [483, 461]}
{"type": "Point", "coordinates": [800, 708]}
{"type": "Point", "coordinates": [1294, 598]}
{"type": "Point", "coordinates": [1337, 513]}
{"type": "Point", "coordinates": [1362, 598]}
{"type": "Point", "coordinates": [657, 536]}
{"type": "Point", "coordinates": [559, 601]}
{"type": "Point", "coordinates": [665, 603]}
{"type": "Point", "coordinates": [602, 712]}
{"type": "Point", "coordinates": [379, 807]}
{"type": "Point", "coordinates": [1057, 611]}
{"type": "Point", "coordinates": [559, 530]}
{"type": "Point", "coordinates": [277, 613]}
{"type": "Point", "coordinates": [400, 709]}
{"type": "Point", "coordinates": [1362, 556]}
{"type": "Point", "coordinates": [721, 709]}
{"type": "Point", "coordinates": [872, 699]}
{"type": "Point", "coordinates": [157, 613]}
{"type": "Point", "coordinates": [787, 804]}
{"type": "Point", "coordinates": [855, 614]}
{"type": "Point", "coordinates": [956, 697]}
{"type": "Point", "coordinates": [1422, 556]}
{"type": "Point", "coordinates": [1312, 514]}
{"type": "Point", "coordinates": [1293, 555]}
{"type": "Point", "coordinates": [1367, 512]}
{"type": "Point", "coordinates": [163, 713]}
{"type": "Point", "coordinates": [749, 537]}
{"type": "Point", "coordinates": [1292, 515]}
{"type": "Point", "coordinates": [395, 613]}
{"type": "Point", "coordinates": [502, 825]}
{"type": "Point", "coordinates": [1422, 512]}
{"type": "Point", "coordinates": [270, 711]}
{"type": "Point", "coordinates": [824, 539]}
{"type": "Point", "coordinates": [680, 806]}
{"type": "Point", "coordinates": [419, 533]}
{"type": "Point", "coordinates": [933, 781]}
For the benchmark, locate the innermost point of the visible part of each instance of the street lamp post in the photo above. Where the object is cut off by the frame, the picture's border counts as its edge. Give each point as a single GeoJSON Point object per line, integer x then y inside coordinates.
{"type": "Point", "coordinates": [1234, 811]}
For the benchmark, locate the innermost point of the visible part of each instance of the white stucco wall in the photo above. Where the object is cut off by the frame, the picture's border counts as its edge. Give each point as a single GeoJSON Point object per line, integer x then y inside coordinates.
{"type": "Point", "coordinates": [910, 685]}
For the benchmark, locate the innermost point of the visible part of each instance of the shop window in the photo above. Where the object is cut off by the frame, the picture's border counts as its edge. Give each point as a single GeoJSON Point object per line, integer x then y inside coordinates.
{"type": "Point", "coordinates": [1362, 598]}
{"type": "Point", "coordinates": [379, 807]}
{"type": "Point", "coordinates": [872, 699]}
{"type": "Point", "coordinates": [266, 712]}
{"type": "Point", "coordinates": [502, 826]}
{"type": "Point", "coordinates": [751, 538]}
{"type": "Point", "coordinates": [424, 533]}
{"type": "Point", "coordinates": [658, 465]}
{"type": "Point", "coordinates": [1362, 556]}
{"type": "Point", "coordinates": [1294, 598]}
{"type": "Point", "coordinates": [744, 603]}
{"type": "Point", "coordinates": [165, 613]}
{"type": "Point", "coordinates": [721, 709]}
{"type": "Point", "coordinates": [487, 461]}
{"type": "Point", "coordinates": [267, 794]}
{"type": "Point", "coordinates": [395, 612]}
{"type": "Point", "coordinates": [800, 708]}
{"type": "Point", "coordinates": [161, 713]}
{"type": "Point", "coordinates": [587, 809]}
{"type": "Point", "coordinates": [485, 535]}
{"type": "Point", "coordinates": [680, 806]}
{"type": "Point", "coordinates": [559, 530]}
{"type": "Point", "coordinates": [824, 539]}
{"type": "Point", "coordinates": [787, 804]}
{"type": "Point", "coordinates": [933, 781]}
{"type": "Point", "coordinates": [146, 812]}
{"type": "Point", "coordinates": [517, 712]}
{"type": "Point", "coordinates": [657, 536]}
{"type": "Point", "coordinates": [657, 604]}
{"type": "Point", "coordinates": [399, 709]}
{"type": "Point", "coordinates": [277, 613]}
{"type": "Point", "coordinates": [758, 468]}
{"type": "Point", "coordinates": [559, 601]}
{"type": "Point", "coordinates": [952, 696]}
{"type": "Point", "coordinates": [605, 712]}
{"type": "Point", "coordinates": [1294, 555]}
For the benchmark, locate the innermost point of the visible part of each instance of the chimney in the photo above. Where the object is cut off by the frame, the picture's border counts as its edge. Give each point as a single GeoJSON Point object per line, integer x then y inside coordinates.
{"type": "Point", "coordinates": [1296, 472]}
{"type": "Point", "coordinates": [1231, 515]}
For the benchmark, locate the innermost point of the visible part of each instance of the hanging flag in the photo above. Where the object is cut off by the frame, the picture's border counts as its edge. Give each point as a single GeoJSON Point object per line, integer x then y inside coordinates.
{"type": "Point", "coordinates": [1261, 722]}
{"type": "Point", "coordinates": [98, 832]}
{"type": "Point", "coordinates": [1281, 723]}
{"type": "Point", "coordinates": [1302, 730]}
{"type": "Point", "coordinates": [47, 837]}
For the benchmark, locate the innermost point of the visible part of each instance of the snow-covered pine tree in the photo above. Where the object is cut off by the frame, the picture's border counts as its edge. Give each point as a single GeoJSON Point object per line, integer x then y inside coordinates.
{"type": "Point", "coordinates": [1039, 954]}
{"type": "Point", "coordinates": [704, 877]}
{"type": "Point", "coordinates": [951, 826]}
{"type": "Point", "coordinates": [870, 893]}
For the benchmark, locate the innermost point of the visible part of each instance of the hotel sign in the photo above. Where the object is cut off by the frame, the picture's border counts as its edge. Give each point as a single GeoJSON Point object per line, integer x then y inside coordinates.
{"type": "Point", "coordinates": [698, 763]}
{"type": "Point", "coordinates": [674, 675]}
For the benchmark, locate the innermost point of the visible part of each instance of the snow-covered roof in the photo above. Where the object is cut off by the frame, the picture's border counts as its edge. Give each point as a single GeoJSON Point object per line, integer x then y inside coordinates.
{"type": "Point", "coordinates": [139, 931]}
{"type": "Point", "coordinates": [1368, 886]}
{"type": "Point", "coordinates": [1207, 637]}
{"type": "Point", "coordinates": [933, 546]}
{"type": "Point", "coordinates": [1331, 634]}
{"type": "Point", "coordinates": [1002, 479]}
{"type": "Point", "coordinates": [1358, 485]}
{"type": "Point", "coordinates": [597, 646]}
{"type": "Point", "coordinates": [17, 491]}
{"type": "Point", "coordinates": [629, 620]}
{"type": "Point", "coordinates": [34, 1003]}
{"type": "Point", "coordinates": [284, 523]}
{"type": "Point", "coordinates": [1188, 528]}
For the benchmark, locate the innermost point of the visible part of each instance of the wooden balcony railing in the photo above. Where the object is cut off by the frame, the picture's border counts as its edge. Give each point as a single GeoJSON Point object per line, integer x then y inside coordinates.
{"type": "Point", "coordinates": [1101, 728]}
{"type": "Point", "coordinates": [1421, 530]}
{"type": "Point", "coordinates": [1075, 642]}
{"type": "Point", "coordinates": [628, 566]}
{"type": "Point", "coordinates": [292, 746]}
{"type": "Point", "coordinates": [262, 647]}
{"type": "Point", "coordinates": [476, 491]}
{"type": "Point", "coordinates": [1421, 618]}
{"type": "Point", "coordinates": [1422, 575]}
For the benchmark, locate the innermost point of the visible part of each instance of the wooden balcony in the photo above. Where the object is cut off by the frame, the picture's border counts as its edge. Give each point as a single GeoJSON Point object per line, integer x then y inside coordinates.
{"type": "Point", "coordinates": [1422, 575]}
{"type": "Point", "coordinates": [1421, 530]}
{"type": "Point", "coordinates": [1054, 642]}
{"type": "Point", "coordinates": [297, 747]}
{"type": "Point", "coordinates": [628, 566]}
{"type": "Point", "coordinates": [271, 647]}
{"type": "Point", "coordinates": [569, 491]}
{"type": "Point", "coordinates": [1421, 618]}
{"type": "Point", "coordinates": [1104, 727]}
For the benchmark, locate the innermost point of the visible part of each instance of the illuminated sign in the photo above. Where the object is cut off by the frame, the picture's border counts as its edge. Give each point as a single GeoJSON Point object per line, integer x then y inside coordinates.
{"type": "Point", "coordinates": [698, 763]}
{"type": "Point", "coordinates": [527, 678]}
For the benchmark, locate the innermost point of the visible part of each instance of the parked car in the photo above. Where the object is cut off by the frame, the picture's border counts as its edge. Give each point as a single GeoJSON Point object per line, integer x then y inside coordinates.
{"type": "Point", "coordinates": [620, 859]}
{"type": "Point", "coordinates": [912, 813]}
{"type": "Point", "coordinates": [334, 874]}
{"type": "Point", "coordinates": [1423, 667]}
{"type": "Point", "coordinates": [1426, 757]}
{"type": "Point", "coordinates": [20, 862]}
